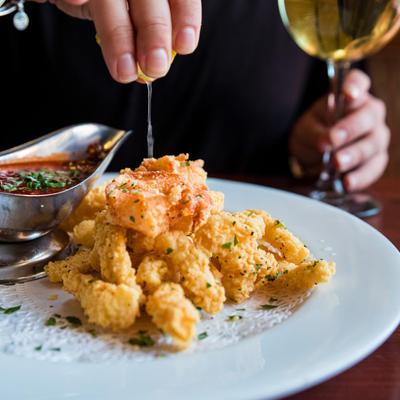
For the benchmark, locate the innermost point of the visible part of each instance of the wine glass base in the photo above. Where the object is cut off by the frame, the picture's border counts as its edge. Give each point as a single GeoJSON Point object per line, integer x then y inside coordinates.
{"type": "Point", "coordinates": [359, 204]}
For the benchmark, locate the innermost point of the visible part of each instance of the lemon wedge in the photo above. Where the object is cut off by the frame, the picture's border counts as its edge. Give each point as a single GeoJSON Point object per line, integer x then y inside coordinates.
{"type": "Point", "coordinates": [146, 78]}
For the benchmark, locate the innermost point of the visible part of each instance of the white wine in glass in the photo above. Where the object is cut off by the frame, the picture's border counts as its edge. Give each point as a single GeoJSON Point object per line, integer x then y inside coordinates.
{"type": "Point", "coordinates": [340, 32]}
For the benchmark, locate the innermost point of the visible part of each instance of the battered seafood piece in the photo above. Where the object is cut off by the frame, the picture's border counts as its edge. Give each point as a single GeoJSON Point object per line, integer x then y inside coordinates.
{"type": "Point", "coordinates": [300, 277]}
{"type": "Point", "coordinates": [172, 312]}
{"type": "Point", "coordinates": [79, 261]}
{"type": "Point", "coordinates": [161, 195]}
{"type": "Point", "coordinates": [105, 304]}
{"type": "Point", "coordinates": [92, 203]}
{"type": "Point", "coordinates": [276, 233]}
{"type": "Point", "coordinates": [232, 239]}
{"type": "Point", "coordinates": [166, 303]}
{"type": "Point", "coordinates": [191, 171]}
{"type": "Point", "coordinates": [110, 253]}
{"type": "Point", "coordinates": [83, 233]}
{"type": "Point", "coordinates": [191, 266]}
{"type": "Point", "coordinates": [151, 273]}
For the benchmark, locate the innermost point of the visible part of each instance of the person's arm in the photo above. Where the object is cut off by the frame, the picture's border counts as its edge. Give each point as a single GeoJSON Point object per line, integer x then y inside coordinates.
{"type": "Point", "coordinates": [139, 31]}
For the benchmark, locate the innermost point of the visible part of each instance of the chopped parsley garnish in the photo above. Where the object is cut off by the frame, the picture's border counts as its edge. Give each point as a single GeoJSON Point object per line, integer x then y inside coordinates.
{"type": "Point", "coordinates": [240, 309]}
{"type": "Point", "coordinates": [38, 348]}
{"type": "Point", "coordinates": [235, 241]}
{"type": "Point", "coordinates": [74, 320]}
{"type": "Point", "coordinates": [267, 306]}
{"type": "Point", "coordinates": [313, 264]}
{"type": "Point", "coordinates": [169, 250]}
{"type": "Point", "coordinates": [234, 318]}
{"type": "Point", "coordinates": [136, 201]}
{"type": "Point", "coordinates": [132, 219]}
{"type": "Point", "coordinates": [208, 285]}
{"type": "Point", "coordinates": [227, 245]}
{"type": "Point", "coordinates": [55, 349]}
{"type": "Point", "coordinates": [199, 308]}
{"type": "Point", "coordinates": [185, 163]}
{"type": "Point", "coordinates": [51, 321]}
{"type": "Point", "coordinates": [258, 266]}
{"type": "Point", "coordinates": [280, 224]}
{"type": "Point", "coordinates": [273, 299]}
{"type": "Point", "coordinates": [273, 277]}
{"type": "Point", "coordinates": [9, 310]}
{"type": "Point", "coordinates": [39, 180]}
{"type": "Point", "coordinates": [234, 223]}
{"type": "Point", "coordinates": [122, 185]}
{"type": "Point", "coordinates": [142, 340]}
{"type": "Point", "coordinates": [202, 335]}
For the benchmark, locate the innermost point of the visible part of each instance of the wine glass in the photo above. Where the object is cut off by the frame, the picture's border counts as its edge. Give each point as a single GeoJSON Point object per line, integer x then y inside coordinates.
{"type": "Point", "coordinates": [340, 32]}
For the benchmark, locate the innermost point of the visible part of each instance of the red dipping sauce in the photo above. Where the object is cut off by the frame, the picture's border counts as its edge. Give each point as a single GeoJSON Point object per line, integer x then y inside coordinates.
{"type": "Point", "coordinates": [48, 176]}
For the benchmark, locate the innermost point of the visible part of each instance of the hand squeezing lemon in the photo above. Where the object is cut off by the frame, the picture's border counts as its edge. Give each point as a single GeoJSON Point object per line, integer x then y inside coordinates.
{"type": "Point", "coordinates": [141, 75]}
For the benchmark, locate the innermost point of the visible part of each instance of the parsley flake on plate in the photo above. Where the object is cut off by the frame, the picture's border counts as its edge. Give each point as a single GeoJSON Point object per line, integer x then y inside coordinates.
{"type": "Point", "coordinates": [142, 340]}
{"type": "Point", "coordinates": [9, 310]}
{"type": "Point", "coordinates": [267, 306]}
{"type": "Point", "coordinates": [202, 335]}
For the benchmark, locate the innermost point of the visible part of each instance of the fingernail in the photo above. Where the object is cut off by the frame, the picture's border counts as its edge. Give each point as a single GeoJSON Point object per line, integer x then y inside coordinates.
{"type": "Point", "coordinates": [185, 41]}
{"type": "Point", "coordinates": [351, 181]}
{"type": "Point", "coordinates": [126, 68]}
{"type": "Point", "coordinates": [324, 144]}
{"type": "Point", "coordinates": [340, 136]}
{"type": "Point", "coordinates": [353, 91]}
{"type": "Point", "coordinates": [344, 159]}
{"type": "Point", "coordinates": [156, 63]}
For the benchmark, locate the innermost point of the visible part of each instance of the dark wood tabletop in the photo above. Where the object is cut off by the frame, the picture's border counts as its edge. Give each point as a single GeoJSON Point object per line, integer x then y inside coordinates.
{"type": "Point", "coordinates": [378, 376]}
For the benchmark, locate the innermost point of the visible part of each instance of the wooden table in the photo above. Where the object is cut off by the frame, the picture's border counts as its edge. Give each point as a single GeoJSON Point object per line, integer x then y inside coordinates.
{"type": "Point", "coordinates": [378, 376]}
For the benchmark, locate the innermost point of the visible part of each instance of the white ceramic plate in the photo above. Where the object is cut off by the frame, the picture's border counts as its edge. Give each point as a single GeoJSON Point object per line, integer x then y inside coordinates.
{"type": "Point", "coordinates": [339, 325]}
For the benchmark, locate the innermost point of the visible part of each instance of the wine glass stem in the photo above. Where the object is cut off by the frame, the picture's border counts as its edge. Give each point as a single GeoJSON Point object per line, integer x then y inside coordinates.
{"type": "Point", "coordinates": [330, 180]}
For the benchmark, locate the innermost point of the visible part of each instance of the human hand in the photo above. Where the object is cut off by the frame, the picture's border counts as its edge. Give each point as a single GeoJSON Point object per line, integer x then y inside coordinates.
{"type": "Point", "coordinates": [139, 31]}
{"type": "Point", "coordinates": [359, 140]}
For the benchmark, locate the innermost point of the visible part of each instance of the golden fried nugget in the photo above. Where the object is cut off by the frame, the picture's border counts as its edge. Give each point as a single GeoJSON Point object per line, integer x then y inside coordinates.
{"type": "Point", "coordinates": [193, 266]}
{"type": "Point", "coordinates": [172, 312]}
{"type": "Point", "coordinates": [84, 232]}
{"type": "Point", "coordinates": [92, 203]}
{"type": "Point", "coordinates": [232, 240]}
{"type": "Point", "coordinates": [110, 252]}
{"type": "Point", "coordinates": [299, 277]}
{"type": "Point", "coordinates": [160, 195]}
{"type": "Point", "coordinates": [79, 261]}
{"type": "Point", "coordinates": [269, 265]}
{"type": "Point", "coordinates": [191, 171]}
{"type": "Point", "coordinates": [292, 248]}
{"type": "Point", "coordinates": [138, 243]}
{"type": "Point", "coordinates": [105, 304]}
{"type": "Point", "coordinates": [218, 199]}
{"type": "Point", "coordinates": [151, 273]}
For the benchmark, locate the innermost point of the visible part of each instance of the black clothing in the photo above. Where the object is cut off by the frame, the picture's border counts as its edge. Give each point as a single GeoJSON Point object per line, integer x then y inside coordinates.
{"type": "Point", "coordinates": [232, 102]}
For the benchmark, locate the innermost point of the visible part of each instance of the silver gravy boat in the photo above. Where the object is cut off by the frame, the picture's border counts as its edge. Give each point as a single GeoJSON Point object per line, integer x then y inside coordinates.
{"type": "Point", "coordinates": [26, 217]}
{"type": "Point", "coordinates": [29, 236]}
